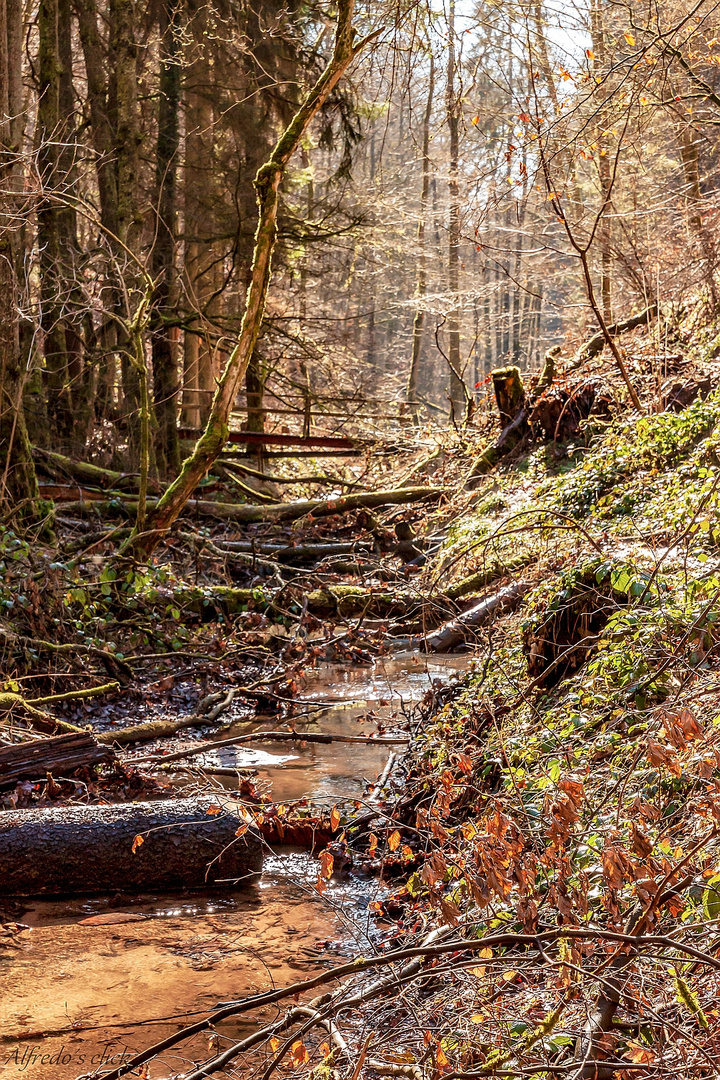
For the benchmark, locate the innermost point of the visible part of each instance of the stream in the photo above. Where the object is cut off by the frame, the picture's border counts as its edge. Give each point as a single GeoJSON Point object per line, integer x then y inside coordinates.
{"type": "Point", "coordinates": [96, 979]}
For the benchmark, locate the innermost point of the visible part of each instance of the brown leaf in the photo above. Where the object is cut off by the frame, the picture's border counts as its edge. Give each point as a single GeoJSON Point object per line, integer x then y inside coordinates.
{"type": "Point", "coordinates": [641, 844]}
{"type": "Point", "coordinates": [465, 764]}
{"type": "Point", "coordinates": [613, 866]}
{"type": "Point", "coordinates": [326, 864]}
{"type": "Point", "coordinates": [662, 757]}
{"type": "Point", "coordinates": [299, 1053]}
{"type": "Point", "coordinates": [451, 913]}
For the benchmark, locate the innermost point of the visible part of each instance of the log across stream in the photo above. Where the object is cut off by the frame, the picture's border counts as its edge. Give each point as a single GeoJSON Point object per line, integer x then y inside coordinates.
{"type": "Point", "coordinates": [98, 977]}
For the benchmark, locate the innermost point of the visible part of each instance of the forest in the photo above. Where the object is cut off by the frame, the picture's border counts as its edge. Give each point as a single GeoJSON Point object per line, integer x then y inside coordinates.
{"type": "Point", "coordinates": [359, 539]}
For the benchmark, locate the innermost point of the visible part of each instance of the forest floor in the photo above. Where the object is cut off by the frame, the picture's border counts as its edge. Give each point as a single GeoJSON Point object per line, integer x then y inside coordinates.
{"type": "Point", "coordinates": [539, 868]}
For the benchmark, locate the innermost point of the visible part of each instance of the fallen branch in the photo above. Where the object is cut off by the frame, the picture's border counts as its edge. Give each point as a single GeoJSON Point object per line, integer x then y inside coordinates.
{"type": "Point", "coordinates": [365, 963]}
{"type": "Point", "coordinates": [251, 514]}
{"type": "Point", "coordinates": [456, 631]}
{"type": "Point", "coordinates": [43, 721]}
{"type": "Point", "coordinates": [596, 344]}
{"type": "Point", "coordinates": [160, 729]}
{"type": "Point", "coordinates": [270, 736]}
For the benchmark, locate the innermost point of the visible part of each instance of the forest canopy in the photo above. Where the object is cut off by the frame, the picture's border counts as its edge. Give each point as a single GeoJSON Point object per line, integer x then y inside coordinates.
{"type": "Point", "coordinates": [482, 184]}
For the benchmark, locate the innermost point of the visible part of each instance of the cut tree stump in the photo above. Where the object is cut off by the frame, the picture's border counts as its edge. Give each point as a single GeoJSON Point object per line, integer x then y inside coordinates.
{"type": "Point", "coordinates": [132, 847]}
{"type": "Point", "coordinates": [57, 755]}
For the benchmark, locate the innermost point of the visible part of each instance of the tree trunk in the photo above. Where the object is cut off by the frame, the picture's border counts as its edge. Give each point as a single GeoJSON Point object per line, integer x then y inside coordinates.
{"type": "Point", "coordinates": [164, 360]}
{"type": "Point", "coordinates": [267, 183]}
{"type": "Point", "coordinates": [124, 116]}
{"type": "Point", "coordinates": [53, 240]}
{"type": "Point", "coordinates": [419, 321]}
{"type": "Point", "coordinates": [17, 472]}
{"type": "Point", "coordinates": [457, 392]}
{"type": "Point", "coordinates": [135, 847]}
{"type": "Point", "coordinates": [598, 40]}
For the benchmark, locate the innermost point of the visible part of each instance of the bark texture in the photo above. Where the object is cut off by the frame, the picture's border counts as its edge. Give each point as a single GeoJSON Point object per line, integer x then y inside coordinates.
{"type": "Point", "coordinates": [89, 849]}
{"type": "Point", "coordinates": [58, 755]}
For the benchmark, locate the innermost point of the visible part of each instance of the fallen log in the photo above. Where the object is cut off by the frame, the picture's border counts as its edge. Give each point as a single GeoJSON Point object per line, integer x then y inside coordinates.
{"type": "Point", "coordinates": [56, 755]}
{"type": "Point", "coordinates": [158, 846]}
{"type": "Point", "coordinates": [457, 630]}
{"type": "Point", "coordinates": [59, 465]}
{"type": "Point", "coordinates": [284, 552]}
{"type": "Point", "coordinates": [315, 507]}
{"type": "Point", "coordinates": [349, 601]}
{"type": "Point", "coordinates": [251, 514]}
{"type": "Point", "coordinates": [266, 438]}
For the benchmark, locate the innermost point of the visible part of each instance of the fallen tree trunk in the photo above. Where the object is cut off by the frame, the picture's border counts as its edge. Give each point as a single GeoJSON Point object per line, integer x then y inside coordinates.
{"type": "Point", "coordinates": [456, 631]}
{"type": "Point", "coordinates": [251, 514]}
{"type": "Point", "coordinates": [132, 847]}
{"type": "Point", "coordinates": [294, 553]}
{"type": "Point", "coordinates": [59, 465]}
{"type": "Point", "coordinates": [290, 511]}
{"type": "Point", "coordinates": [266, 438]}
{"type": "Point", "coordinates": [56, 755]}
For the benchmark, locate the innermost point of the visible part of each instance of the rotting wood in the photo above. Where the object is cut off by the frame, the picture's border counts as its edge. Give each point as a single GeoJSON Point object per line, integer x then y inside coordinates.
{"type": "Point", "coordinates": [162, 845]}
{"type": "Point", "coordinates": [58, 754]}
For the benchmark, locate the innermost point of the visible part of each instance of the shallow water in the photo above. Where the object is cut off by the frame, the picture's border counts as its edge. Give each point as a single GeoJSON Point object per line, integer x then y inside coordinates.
{"type": "Point", "coordinates": [77, 995]}
{"type": "Point", "coordinates": [342, 700]}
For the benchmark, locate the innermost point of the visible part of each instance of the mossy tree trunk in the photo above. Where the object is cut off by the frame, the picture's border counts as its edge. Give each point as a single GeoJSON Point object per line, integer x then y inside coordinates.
{"type": "Point", "coordinates": [267, 184]}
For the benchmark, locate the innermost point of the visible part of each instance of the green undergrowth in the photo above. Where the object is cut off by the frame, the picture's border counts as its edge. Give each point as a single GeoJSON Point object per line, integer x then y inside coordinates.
{"type": "Point", "coordinates": [609, 770]}
{"type": "Point", "coordinates": [640, 480]}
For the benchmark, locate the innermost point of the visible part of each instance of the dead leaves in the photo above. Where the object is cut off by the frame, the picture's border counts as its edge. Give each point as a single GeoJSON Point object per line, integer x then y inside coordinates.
{"type": "Point", "coordinates": [664, 757]}
{"type": "Point", "coordinates": [681, 727]}
{"type": "Point", "coordinates": [616, 867]}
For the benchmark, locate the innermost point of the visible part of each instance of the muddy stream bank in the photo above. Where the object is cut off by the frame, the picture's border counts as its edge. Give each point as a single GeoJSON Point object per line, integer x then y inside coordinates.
{"type": "Point", "coordinates": [96, 979]}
